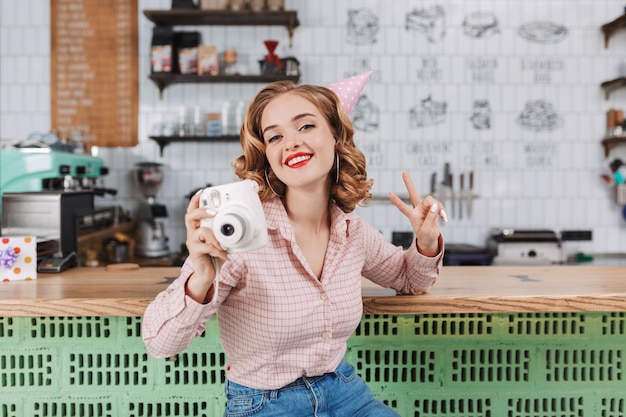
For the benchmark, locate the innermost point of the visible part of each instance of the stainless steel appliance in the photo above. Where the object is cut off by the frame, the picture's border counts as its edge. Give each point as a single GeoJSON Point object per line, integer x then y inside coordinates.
{"type": "Point", "coordinates": [151, 216]}
{"type": "Point", "coordinates": [525, 247]}
{"type": "Point", "coordinates": [41, 177]}
{"type": "Point", "coordinates": [51, 216]}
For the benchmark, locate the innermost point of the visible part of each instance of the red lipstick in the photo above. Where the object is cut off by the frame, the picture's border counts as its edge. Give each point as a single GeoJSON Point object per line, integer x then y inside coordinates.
{"type": "Point", "coordinates": [297, 159]}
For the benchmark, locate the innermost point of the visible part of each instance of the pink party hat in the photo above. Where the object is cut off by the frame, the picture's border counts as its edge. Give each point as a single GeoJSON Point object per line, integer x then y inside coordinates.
{"type": "Point", "coordinates": [349, 89]}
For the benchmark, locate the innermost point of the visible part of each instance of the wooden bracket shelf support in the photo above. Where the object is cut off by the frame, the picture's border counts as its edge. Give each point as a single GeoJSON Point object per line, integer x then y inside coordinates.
{"type": "Point", "coordinates": [612, 27]}
{"type": "Point", "coordinates": [611, 142]}
{"type": "Point", "coordinates": [609, 86]}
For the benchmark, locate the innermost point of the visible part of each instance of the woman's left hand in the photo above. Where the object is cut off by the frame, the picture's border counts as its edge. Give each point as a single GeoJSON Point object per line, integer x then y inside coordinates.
{"type": "Point", "coordinates": [423, 216]}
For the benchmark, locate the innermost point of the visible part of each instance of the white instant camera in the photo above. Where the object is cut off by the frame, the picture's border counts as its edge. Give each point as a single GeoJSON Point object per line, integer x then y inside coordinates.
{"type": "Point", "coordinates": [239, 222]}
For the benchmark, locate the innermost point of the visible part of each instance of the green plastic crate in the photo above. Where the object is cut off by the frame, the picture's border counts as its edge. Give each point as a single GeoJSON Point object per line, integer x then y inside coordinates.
{"type": "Point", "coordinates": [451, 365]}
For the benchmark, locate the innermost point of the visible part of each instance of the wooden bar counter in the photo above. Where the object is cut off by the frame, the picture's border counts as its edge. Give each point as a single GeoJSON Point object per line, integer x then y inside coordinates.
{"type": "Point", "coordinates": [518, 341]}
{"type": "Point", "coordinates": [460, 289]}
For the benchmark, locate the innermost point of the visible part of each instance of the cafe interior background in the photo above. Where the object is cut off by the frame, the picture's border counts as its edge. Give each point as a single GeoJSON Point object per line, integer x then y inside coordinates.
{"type": "Point", "coordinates": [505, 93]}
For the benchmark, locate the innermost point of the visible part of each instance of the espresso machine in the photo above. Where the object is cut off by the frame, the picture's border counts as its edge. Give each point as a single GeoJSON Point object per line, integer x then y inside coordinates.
{"type": "Point", "coordinates": [151, 216]}
{"type": "Point", "coordinates": [44, 169]}
{"type": "Point", "coordinates": [50, 194]}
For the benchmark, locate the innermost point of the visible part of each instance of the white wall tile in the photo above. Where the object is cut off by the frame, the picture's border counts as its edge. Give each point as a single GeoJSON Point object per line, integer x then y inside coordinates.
{"type": "Point", "coordinates": [513, 191]}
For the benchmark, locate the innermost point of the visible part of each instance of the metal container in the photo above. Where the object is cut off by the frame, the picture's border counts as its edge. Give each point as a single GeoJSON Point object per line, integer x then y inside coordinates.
{"type": "Point", "coordinates": [525, 247]}
{"type": "Point", "coordinates": [49, 215]}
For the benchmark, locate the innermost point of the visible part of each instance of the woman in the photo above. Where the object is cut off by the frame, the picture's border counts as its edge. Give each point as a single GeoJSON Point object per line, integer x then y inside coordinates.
{"type": "Point", "coordinates": [287, 310]}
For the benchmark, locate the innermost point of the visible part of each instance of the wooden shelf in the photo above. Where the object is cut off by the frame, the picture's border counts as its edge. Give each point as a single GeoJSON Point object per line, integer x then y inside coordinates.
{"type": "Point", "coordinates": [194, 17]}
{"type": "Point", "coordinates": [611, 85]}
{"type": "Point", "coordinates": [105, 232]}
{"type": "Point", "coordinates": [611, 142]}
{"type": "Point", "coordinates": [183, 17]}
{"type": "Point", "coordinates": [611, 27]}
{"type": "Point", "coordinates": [162, 80]}
{"type": "Point", "coordinates": [163, 141]}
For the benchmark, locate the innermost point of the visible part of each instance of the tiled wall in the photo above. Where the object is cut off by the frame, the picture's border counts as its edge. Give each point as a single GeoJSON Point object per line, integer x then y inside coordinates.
{"type": "Point", "coordinates": [485, 85]}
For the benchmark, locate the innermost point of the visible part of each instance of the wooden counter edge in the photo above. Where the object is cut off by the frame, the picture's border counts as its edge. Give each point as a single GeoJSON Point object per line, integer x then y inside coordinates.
{"type": "Point", "coordinates": [74, 307]}
{"type": "Point", "coordinates": [461, 290]}
{"type": "Point", "coordinates": [135, 307]}
{"type": "Point", "coordinates": [424, 304]}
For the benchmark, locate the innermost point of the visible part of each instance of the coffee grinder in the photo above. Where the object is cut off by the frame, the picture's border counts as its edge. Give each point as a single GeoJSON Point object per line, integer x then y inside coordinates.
{"type": "Point", "coordinates": [151, 216]}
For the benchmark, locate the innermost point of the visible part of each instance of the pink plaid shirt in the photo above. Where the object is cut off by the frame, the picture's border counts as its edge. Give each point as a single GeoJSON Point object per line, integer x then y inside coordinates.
{"type": "Point", "coordinates": [277, 321]}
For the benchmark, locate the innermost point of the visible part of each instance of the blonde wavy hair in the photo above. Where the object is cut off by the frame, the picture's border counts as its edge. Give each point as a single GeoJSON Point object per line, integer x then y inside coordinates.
{"type": "Point", "coordinates": [352, 187]}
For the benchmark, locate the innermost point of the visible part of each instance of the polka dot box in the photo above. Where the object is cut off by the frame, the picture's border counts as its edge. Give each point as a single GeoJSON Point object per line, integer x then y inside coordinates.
{"type": "Point", "coordinates": [18, 258]}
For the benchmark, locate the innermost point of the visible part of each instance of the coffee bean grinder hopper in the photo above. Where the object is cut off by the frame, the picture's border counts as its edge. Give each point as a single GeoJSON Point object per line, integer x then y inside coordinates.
{"type": "Point", "coordinates": [151, 216]}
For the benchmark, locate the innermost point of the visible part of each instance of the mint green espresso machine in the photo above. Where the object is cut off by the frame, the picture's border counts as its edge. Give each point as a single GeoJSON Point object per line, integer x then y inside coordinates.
{"type": "Point", "coordinates": [43, 169]}
{"type": "Point", "coordinates": [39, 189]}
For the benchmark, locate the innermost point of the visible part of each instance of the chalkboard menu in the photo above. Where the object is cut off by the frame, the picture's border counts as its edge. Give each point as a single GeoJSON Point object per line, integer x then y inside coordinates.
{"type": "Point", "coordinates": [94, 86]}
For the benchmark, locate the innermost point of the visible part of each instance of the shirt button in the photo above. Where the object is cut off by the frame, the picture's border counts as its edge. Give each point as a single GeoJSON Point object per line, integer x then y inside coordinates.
{"type": "Point", "coordinates": [326, 335]}
{"type": "Point", "coordinates": [324, 296]}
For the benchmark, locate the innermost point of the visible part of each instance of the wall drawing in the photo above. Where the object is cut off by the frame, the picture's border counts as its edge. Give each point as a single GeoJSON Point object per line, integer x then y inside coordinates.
{"type": "Point", "coordinates": [482, 69]}
{"type": "Point", "coordinates": [373, 151]}
{"type": "Point", "coordinates": [359, 65]}
{"type": "Point", "coordinates": [481, 115]}
{"type": "Point", "coordinates": [431, 22]}
{"type": "Point", "coordinates": [543, 32]}
{"type": "Point", "coordinates": [429, 112]}
{"type": "Point", "coordinates": [365, 115]}
{"type": "Point", "coordinates": [362, 27]}
{"type": "Point", "coordinates": [481, 25]}
{"type": "Point", "coordinates": [542, 69]}
{"type": "Point", "coordinates": [428, 153]}
{"type": "Point", "coordinates": [538, 115]}
{"type": "Point", "coordinates": [430, 71]}
{"type": "Point", "coordinates": [540, 154]}
{"type": "Point", "coordinates": [481, 154]}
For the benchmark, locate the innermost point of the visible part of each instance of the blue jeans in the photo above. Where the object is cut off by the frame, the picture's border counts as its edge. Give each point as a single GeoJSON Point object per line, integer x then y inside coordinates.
{"type": "Point", "coordinates": [337, 394]}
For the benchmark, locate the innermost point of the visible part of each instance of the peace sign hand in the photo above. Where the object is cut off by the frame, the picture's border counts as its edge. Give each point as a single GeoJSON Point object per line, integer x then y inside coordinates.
{"type": "Point", "coordinates": [422, 215]}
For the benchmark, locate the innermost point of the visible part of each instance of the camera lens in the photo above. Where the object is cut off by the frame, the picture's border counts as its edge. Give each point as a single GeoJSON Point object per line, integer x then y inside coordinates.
{"type": "Point", "coordinates": [227, 229]}
{"type": "Point", "coordinates": [230, 228]}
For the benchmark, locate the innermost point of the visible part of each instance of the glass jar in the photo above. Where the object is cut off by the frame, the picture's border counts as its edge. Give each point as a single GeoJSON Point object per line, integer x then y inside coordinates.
{"type": "Point", "coordinates": [257, 5]}
{"type": "Point", "coordinates": [230, 62]}
{"type": "Point", "coordinates": [275, 5]}
{"type": "Point", "coordinates": [237, 5]}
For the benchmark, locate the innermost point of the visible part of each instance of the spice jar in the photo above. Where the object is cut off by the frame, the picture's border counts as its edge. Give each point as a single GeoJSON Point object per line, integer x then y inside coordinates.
{"type": "Point", "coordinates": [257, 5]}
{"type": "Point", "coordinates": [275, 5]}
{"type": "Point", "coordinates": [230, 62]}
{"type": "Point", "coordinates": [237, 5]}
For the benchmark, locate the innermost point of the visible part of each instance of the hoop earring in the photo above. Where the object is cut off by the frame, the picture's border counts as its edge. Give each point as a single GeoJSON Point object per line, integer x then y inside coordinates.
{"type": "Point", "coordinates": [337, 177]}
{"type": "Point", "coordinates": [270, 184]}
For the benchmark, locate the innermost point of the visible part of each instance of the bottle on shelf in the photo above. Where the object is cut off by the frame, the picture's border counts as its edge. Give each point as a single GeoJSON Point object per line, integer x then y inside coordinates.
{"type": "Point", "coordinates": [213, 125]}
{"type": "Point", "coordinates": [199, 128]}
{"type": "Point", "coordinates": [240, 113]}
{"type": "Point", "coordinates": [228, 119]}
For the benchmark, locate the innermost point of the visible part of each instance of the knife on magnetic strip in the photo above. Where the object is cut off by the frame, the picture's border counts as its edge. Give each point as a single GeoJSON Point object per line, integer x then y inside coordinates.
{"type": "Point", "coordinates": [470, 196]}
